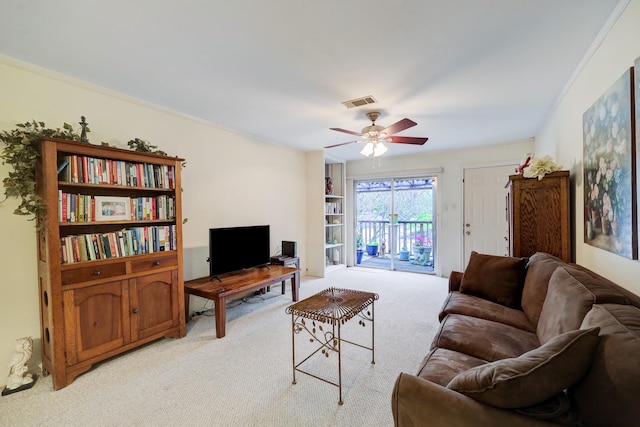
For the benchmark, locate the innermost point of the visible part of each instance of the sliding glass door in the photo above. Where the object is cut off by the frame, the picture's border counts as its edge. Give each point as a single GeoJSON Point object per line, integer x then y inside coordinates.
{"type": "Point", "coordinates": [394, 223]}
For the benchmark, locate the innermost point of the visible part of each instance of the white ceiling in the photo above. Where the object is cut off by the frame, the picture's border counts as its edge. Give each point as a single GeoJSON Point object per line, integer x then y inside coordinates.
{"type": "Point", "coordinates": [469, 72]}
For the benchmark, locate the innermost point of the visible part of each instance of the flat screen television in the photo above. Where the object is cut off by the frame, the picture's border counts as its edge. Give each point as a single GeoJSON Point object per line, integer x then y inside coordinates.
{"type": "Point", "coordinates": [237, 248]}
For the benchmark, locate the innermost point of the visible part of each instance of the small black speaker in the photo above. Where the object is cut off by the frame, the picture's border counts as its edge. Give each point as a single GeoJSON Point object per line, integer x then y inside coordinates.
{"type": "Point", "coordinates": [289, 249]}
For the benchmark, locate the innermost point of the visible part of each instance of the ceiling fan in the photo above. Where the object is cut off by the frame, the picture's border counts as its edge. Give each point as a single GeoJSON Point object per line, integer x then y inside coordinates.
{"type": "Point", "coordinates": [375, 135]}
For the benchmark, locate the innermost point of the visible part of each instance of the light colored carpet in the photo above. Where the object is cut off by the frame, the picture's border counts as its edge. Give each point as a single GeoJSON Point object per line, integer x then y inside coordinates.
{"type": "Point", "coordinates": [245, 378]}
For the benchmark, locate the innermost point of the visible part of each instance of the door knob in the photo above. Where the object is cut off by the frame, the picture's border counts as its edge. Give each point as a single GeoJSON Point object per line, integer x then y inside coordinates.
{"type": "Point", "coordinates": [467, 233]}
{"type": "Point", "coordinates": [467, 225]}
{"type": "Point", "coordinates": [135, 311]}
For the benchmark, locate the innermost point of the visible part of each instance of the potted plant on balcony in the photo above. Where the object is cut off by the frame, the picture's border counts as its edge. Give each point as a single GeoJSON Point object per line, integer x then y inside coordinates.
{"type": "Point", "coordinates": [372, 248]}
{"type": "Point", "coordinates": [404, 254]}
{"type": "Point", "coordinates": [422, 250]}
{"type": "Point", "coordinates": [359, 248]}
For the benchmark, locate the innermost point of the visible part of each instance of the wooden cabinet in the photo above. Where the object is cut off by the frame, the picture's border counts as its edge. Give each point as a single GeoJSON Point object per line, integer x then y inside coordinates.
{"type": "Point", "coordinates": [111, 280]}
{"type": "Point", "coordinates": [539, 215]}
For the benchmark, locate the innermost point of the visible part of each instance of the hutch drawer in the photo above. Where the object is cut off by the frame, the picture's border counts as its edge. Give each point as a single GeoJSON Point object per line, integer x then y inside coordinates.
{"type": "Point", "coordinates": [86, 274]}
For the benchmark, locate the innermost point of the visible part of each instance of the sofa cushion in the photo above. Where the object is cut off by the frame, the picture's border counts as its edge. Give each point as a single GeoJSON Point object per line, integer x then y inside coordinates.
{"type": "Point", "coordinates": [535, 376]}
{"type": "Point", "coordinates": [484, 339]}
{"type": "Point", "coordinates": [557, 410]}
{"type": "Point", "coordinates": [496, 278]}
{"type": "Point", "coordinates": [469, 305]}
{"type": "Point", "coordinates": [633, 298]}
{"type": "Point", "coordinates": [571, 294]}
{"type": "Point", "coordinates": [540, 267]}
{"type": "Point", "coordinates": [441, 365]}
{"type": "Point", "coordinates": [609, 392]}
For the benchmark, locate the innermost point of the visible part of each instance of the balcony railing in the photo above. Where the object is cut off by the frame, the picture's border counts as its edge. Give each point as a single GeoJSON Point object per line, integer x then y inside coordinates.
{"type": "Point", "coordinates": [406, 233]}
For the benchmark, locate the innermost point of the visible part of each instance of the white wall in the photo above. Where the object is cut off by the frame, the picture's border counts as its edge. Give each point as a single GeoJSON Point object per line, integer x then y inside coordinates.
{"type": "Point", "coordinates": [315, 213]}
{"type": "Point", "coordinates": [450, 195]}
{"type": "Point", "coordinates": [229, 180]}
{"type": "Point", "coordinates": [561, 135]}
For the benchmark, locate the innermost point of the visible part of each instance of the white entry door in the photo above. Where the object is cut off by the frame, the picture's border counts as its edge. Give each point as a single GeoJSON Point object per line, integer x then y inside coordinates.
{"type": "Point", "coordinates": [485, 226]}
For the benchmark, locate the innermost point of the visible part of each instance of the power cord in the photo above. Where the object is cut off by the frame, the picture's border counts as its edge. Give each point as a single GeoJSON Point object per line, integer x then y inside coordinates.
{"type": "Point", "coordinates": [207, 312]}
{"type": "Point", "coordinates": [254, 299]}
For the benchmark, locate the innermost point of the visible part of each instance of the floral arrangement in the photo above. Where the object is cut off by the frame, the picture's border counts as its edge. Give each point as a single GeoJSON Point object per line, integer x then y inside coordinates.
{"type": "Point", "coordinates": [539, 167]}
{"type": "Point", "coordinates": [422, 241]}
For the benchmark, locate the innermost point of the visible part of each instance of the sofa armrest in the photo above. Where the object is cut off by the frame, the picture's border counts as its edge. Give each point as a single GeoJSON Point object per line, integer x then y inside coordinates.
{"type": "Point", "coordinates": [418, 402]}
{"type": "Point", "coordinates": [454, 281]}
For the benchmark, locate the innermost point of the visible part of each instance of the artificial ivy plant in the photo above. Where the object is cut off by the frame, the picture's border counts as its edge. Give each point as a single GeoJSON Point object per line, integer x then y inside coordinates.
{"type": "Point", "coordinates": [20, 153]}
{"type": "Point", "coordinates": [144, 146]}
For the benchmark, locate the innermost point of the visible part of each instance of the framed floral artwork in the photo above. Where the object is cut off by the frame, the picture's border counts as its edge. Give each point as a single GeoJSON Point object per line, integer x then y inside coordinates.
{"type": "Point", "coordinates": [636, 95]}
{"type": "Point", "coordinates": [609, 170]}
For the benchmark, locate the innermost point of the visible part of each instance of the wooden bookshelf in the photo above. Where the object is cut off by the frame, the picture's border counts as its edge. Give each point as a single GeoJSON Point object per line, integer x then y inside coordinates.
{"type": "Point", "coordinates": [334, 217]}
{"type": "Point", "coordinates": [110, 277]}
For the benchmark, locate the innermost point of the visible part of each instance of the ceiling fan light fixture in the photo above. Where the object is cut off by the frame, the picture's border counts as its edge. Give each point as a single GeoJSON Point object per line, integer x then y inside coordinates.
{"type": "Point", "coordinates": [374, 148]}
{"type": "Point", "coordinates": [367, 150]}
{"type": "Point", "coordinates": [379, 149]}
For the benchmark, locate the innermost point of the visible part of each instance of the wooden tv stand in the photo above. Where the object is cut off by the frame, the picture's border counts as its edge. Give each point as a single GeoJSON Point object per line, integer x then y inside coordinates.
{"type": "Point", "coordinates": [235, 283]}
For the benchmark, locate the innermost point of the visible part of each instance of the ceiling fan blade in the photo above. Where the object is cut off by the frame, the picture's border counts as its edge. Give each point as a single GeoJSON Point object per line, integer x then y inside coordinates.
{"type": "Point", "coordinates": [408, 140]}
{"type": "Point", "coordinates": [350, 132]}
{"type": "Point", "coordinates": [338, 145]}
{"type": "Point", "coordinates": [399, 126]}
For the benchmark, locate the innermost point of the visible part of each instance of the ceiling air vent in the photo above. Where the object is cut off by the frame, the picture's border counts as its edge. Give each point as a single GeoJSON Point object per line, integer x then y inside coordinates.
{"type": "Point", "coordinates": [359, 102]}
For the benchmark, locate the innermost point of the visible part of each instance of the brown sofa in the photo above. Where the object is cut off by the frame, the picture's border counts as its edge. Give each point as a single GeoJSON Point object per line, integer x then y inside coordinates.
{"type": "Point", "coordinates": [528, 342]}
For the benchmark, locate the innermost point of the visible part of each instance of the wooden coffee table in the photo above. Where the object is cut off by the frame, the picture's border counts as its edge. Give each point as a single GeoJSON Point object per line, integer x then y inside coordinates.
{"type": "Point", "coordinates": [236, 283]}
{"type": "Point", "coordinates": [335, 307]}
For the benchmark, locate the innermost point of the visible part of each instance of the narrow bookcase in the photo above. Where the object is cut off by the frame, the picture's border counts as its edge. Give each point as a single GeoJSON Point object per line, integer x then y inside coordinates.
{"type": "Point", "coordinates": [334, 217]}
{"type": "Point", "coordinates": [110, 261]}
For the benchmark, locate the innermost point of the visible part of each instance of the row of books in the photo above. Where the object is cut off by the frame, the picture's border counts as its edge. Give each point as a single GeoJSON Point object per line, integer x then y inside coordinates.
{"type": "Point", "coordinates": [333, 208]}
{"type": "Point", "coordinates": [128, 242]}
{"type": "Point", "coordinates": [92, 170]}
{"type": "Point", "coordinates": [149, 208]}
{"type": "Point", "coordinates": [87, 208]}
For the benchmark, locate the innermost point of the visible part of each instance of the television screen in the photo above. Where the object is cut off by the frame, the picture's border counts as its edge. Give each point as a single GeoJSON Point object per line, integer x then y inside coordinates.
{"type": "Point", "coordinates": [238, 248]}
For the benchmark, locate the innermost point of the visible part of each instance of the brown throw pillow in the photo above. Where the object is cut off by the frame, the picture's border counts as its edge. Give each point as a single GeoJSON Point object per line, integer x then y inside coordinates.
{"type": "Point", "coordinates": [495, 278]}
{"type": "Point", "coordinates": [535, 376]}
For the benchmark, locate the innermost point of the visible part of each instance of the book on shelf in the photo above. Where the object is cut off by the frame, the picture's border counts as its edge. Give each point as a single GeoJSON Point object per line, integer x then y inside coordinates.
{"type": "Point", "coordinates": [82, 244]}
{"type": "Point", "coordinates": [106, 248]}
{"type": "Point", "coordinates": [332, 208]}
{"type": "Point", "coordinates": [80, 212]}
{"type": "Point", "coordinates": [91, 253]}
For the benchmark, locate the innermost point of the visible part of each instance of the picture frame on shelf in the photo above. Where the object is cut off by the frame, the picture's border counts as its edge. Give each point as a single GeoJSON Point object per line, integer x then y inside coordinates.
{"type": "Point", "coordinates": [109, 208]}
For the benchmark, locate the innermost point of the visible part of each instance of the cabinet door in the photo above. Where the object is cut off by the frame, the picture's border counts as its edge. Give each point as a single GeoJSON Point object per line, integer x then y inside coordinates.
{"type": "Point", "coordinates": [96, 320]}
{"type": "Point", "coordinates": [540, 216]}
{"type": "Point", "coordinates": [154, 303]}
